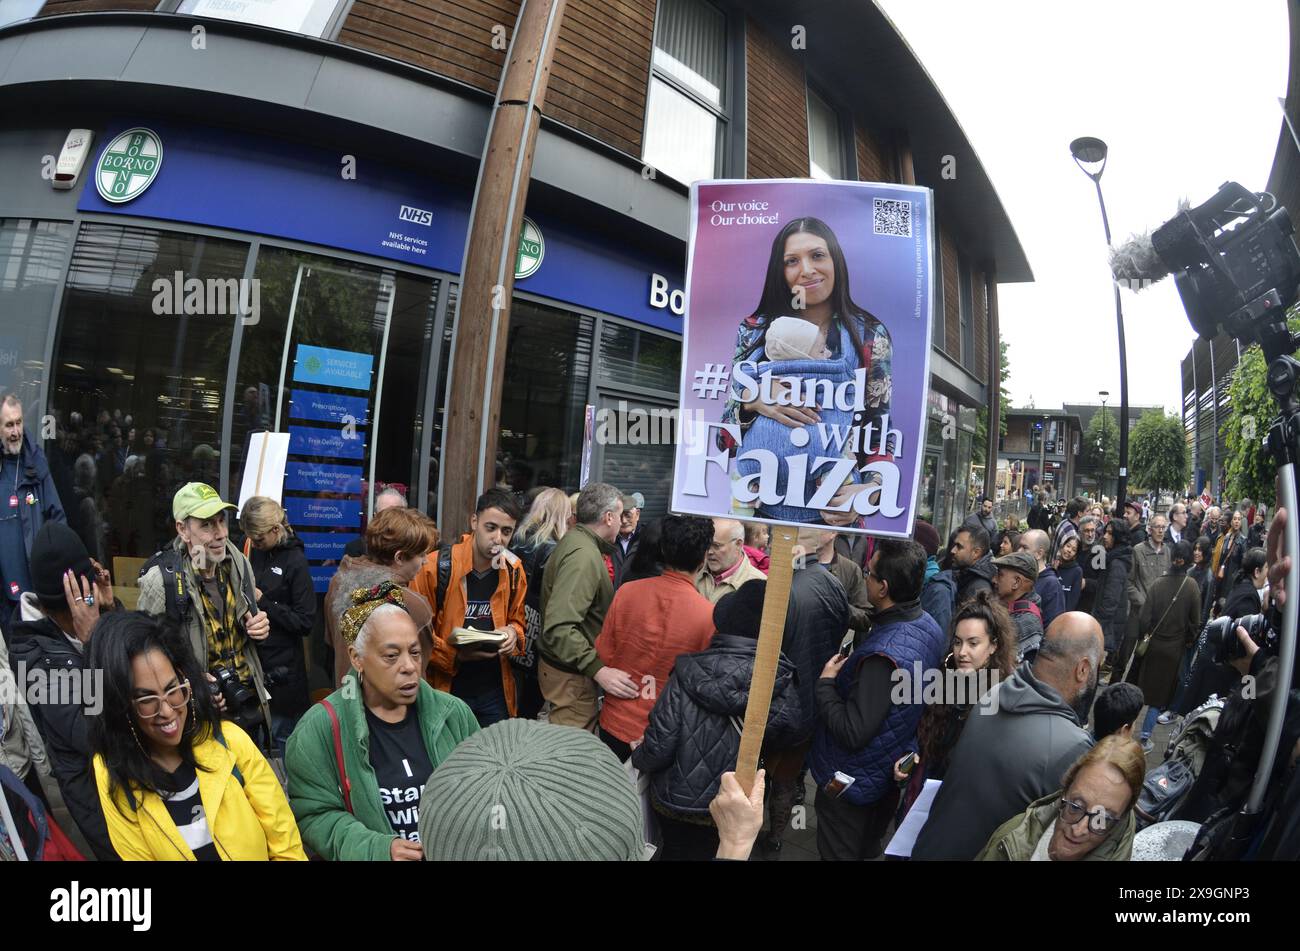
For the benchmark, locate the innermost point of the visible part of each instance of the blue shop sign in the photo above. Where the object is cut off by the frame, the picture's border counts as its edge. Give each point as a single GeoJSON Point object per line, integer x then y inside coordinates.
{"type": "Point", "coordinates": [322, 477]}
{"type": "Point", "coordinates": [328, 407]}
{"type": "Point", "coordinates": [330, 443]}
{"type": "Point", "coordinates": [260, 185]}
{"type": "Point", "coordinates": [323, 513]}
{"type": "Point", "coordinates": [326, 546]}
{"type": "Point", "coordinates": [320, 576]}
{"type": "Point", "coordinates": [324, 366]}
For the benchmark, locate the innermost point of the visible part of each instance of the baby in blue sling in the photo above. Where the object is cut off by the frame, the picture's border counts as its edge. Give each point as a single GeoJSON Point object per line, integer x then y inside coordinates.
{"type": "Point", "coordinates": [790, 351]}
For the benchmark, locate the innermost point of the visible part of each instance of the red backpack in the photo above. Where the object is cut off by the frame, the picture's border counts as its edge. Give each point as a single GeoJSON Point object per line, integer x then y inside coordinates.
{"type": "Point", "coordinates": [28, 832]}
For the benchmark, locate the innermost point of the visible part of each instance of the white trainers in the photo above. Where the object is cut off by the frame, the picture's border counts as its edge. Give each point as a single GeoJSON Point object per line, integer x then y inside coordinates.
{"type": "Point", "coordinates": [1166, 717]}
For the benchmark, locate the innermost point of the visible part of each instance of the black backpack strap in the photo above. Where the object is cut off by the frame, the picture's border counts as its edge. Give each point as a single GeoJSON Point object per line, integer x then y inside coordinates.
{"type": "Point", "coordinates": [444, 577]}
{"type": "Point", "coordinates": [222, 740]}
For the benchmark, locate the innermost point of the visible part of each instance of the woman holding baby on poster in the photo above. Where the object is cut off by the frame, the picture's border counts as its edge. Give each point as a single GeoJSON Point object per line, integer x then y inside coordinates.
{"type": "Point", "coordinates": [807, 332]}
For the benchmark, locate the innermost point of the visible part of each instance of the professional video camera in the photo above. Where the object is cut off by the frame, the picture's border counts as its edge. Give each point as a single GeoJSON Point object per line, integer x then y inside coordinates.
{"type": "Point", "coordinates": [1237, 269]}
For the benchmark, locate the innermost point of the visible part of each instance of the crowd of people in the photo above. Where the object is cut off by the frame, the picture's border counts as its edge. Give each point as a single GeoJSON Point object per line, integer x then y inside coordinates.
{"type": "Point", "coordinates": [567, 680]}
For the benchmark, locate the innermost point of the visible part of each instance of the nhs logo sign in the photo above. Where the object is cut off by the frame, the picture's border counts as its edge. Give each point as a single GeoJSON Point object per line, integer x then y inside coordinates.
{"type": "Point", "coordinates": [416, 216]}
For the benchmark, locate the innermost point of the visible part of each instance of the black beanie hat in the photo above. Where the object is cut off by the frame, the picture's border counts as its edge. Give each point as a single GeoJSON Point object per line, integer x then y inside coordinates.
{"type": "Point", "coordinates": [741, 612]}
{"type": "Point", "coordinates": [55, 549]}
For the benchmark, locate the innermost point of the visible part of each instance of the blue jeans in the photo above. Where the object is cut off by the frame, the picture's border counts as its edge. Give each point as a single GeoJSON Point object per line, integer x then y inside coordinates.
{"type": "Point", "coordinates": [1149, 723]}
{"type": "Point", "coordinates": [281, 727]}
{"type": "Point", "coordinates": [489, 707]}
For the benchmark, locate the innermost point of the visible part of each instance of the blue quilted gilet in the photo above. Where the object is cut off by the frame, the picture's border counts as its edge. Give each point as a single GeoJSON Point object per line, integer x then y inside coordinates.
{"type": "Point", "coordinates": [905, 643]}
{"type": "Point", "coordinates": [765, 433]}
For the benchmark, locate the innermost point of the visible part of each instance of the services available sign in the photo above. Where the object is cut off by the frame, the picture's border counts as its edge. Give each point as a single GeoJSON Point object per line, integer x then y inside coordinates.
{"type": "Point", "coordinates": [806, 353]}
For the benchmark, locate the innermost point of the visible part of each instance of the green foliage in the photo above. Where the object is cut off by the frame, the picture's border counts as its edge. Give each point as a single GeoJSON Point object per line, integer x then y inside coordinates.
{"type": "Point", "coordinates": [1158, 452]}
{"type": "Point", "coordinates": [1248, 468]}
{"type": "Point", "coordinates": [1103, 432]}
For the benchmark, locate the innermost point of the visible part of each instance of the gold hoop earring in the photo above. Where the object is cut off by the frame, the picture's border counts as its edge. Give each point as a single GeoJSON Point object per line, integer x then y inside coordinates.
{"type": "Point", "coordinates": [137, 737]}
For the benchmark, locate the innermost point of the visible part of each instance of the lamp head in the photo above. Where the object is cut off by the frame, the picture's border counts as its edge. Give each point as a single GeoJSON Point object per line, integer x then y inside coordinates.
{"type": "Point", "coordinates": [1090, 155]}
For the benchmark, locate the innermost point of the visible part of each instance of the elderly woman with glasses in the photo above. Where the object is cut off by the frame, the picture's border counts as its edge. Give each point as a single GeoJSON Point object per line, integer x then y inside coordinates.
{"type": "Point", "coordinates": [1090, 819]}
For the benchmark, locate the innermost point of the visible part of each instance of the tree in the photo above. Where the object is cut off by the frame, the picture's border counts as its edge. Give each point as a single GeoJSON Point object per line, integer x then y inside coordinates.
{"type": "Point", "coordinates": [1158, 452]}
{"type": "Point", "coordinates": [1248, 468]}
{"type": "Point", "coordinates": [981, 441]}
{"type": "Point", "coordinates": [1100, 448]}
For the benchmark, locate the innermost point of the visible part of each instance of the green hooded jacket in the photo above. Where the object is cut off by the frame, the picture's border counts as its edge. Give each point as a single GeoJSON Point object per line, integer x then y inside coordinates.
{"type": "Point", "coordinates": [314, 794]}
{"type": "Point", "coordinates": [1016, 839]}
{"type": "Point", "coordinates": [576, 592]}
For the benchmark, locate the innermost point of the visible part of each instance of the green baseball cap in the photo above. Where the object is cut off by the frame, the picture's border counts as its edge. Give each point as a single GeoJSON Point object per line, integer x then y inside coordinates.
{"type": "Point", "coordinates": [197, 500]}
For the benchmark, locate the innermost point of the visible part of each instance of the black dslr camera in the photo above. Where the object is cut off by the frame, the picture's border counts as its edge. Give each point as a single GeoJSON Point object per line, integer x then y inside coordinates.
{"type": "Point", "coordinates": [1222, 633]}
{"type": "Point", "coordinates": [241, 700]}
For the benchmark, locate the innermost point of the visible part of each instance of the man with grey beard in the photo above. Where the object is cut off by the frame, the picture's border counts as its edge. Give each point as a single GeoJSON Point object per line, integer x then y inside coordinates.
{"type": "Point", "coordinates": [1016, 754]}
{"type": "Point", "coordinates": [28, 500]}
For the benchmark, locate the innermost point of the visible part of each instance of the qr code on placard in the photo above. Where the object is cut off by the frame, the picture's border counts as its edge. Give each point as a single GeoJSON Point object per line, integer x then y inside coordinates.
{"type": "Point", "coordinates": [892, 216]}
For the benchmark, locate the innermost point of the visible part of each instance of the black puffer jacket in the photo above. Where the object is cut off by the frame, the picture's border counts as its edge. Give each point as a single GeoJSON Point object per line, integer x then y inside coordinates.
{"type": "Point", "coordinates": [289, 600]}
{"type": "Point", "coordinates": [815, 624]}
{"type": "Point", "coordinates": [534, 558]}
{"type": "Point", "coordinates": [691, 740]}
{"type": "Point", "coordinates": [1111, 605]}
{"type": "Point", "coordinates": [40, 645]}
{"type": "Point", "coordinates": [978, 577]}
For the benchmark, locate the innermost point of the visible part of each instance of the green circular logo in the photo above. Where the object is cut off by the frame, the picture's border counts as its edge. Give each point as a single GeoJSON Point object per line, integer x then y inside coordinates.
{"type": "Point", "coordinates": [532, 248]}
{"type": "Point", "coordinates": [314, 364]}
{"type": "Point", "coordinates": [128, 165]}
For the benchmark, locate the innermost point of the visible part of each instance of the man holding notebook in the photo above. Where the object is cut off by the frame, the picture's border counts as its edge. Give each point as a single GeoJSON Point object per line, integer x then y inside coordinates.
{"type": "Point", "coordinates": [477, 587]}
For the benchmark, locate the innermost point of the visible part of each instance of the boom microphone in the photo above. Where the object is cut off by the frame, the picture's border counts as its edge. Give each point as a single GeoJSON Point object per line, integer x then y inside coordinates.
{"type": "Point", "coordinates": [1136, 264]}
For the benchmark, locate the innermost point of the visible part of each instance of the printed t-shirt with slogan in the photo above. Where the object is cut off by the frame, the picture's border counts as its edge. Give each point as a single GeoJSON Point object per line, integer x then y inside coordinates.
{"type": "Point", "coordinates": [477, 677]}
{"type": "Point", "coordinates": [402, 766]}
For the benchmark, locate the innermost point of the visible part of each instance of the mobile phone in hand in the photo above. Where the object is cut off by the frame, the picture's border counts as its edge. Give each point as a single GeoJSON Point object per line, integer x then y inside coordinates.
{"type": "Point", "coordinates": [906, 765]}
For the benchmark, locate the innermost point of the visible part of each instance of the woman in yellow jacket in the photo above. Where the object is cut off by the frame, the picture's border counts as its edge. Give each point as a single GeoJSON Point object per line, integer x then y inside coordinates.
{"type": "Point", "coordinates": [175, 782]}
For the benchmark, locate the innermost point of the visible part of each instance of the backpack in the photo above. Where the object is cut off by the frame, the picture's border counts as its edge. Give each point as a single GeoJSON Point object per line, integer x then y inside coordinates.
{"type": "Point", "coordinates": [28, 833]}
{"type": "Point", "coordinates": [1166, 787]}
{"type": "Point", "coordinates": [177, 589]}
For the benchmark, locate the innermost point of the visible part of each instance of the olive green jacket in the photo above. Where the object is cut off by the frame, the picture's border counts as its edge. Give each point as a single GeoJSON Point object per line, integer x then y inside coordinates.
{"type": "Point", "coordinates": [576, 592]}
{"type": "Point", "coordinates": [1016, 839]}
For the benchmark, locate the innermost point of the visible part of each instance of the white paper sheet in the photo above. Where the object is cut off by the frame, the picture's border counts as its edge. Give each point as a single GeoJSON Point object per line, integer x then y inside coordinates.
{"type": "Point", "coordinates": [903, 840]}
{"type": "Point", "coordinates": [271, 465]}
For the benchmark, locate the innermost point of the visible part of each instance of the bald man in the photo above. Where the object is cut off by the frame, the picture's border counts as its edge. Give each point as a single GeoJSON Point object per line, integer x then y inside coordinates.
{"type": "Point", "coordinates": [1018, 742]}
{"type": "Point", "coordinates": [1051, 595]}
{"type": "Point", "coordinates": [726, 566]}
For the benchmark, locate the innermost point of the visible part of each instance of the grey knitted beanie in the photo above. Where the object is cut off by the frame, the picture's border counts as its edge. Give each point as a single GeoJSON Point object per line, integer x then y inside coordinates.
{"type": "Point", "coordinates": [528, 791]}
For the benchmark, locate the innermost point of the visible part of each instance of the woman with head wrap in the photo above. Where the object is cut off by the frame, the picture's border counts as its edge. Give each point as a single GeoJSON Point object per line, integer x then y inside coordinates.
{"type": "Point", "coordinates": [358, 761]}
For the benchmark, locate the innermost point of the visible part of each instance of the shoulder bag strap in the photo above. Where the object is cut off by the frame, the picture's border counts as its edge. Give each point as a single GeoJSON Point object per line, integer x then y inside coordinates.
{"type": "Point", "coordinates": [345, 786]}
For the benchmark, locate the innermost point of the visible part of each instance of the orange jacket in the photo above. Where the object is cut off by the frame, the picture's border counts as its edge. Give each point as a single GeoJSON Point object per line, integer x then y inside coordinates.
{"type": "Point", "coordinates": [506, 609]}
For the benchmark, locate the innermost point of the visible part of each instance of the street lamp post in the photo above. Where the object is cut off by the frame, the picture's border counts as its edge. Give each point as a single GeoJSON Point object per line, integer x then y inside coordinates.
{"type": "Point", "coordinates": [1105, 420]}
{"type": "Point", "coordinates": [1090, 151]}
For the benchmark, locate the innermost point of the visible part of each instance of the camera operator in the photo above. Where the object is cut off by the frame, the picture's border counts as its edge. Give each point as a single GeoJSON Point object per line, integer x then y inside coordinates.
{"type": "Point", "coordinates": [204, 584]}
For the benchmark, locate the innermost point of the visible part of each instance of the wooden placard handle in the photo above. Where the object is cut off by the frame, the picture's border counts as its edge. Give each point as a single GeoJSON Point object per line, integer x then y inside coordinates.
{"type": "Point", "coordinates": [768, 653]}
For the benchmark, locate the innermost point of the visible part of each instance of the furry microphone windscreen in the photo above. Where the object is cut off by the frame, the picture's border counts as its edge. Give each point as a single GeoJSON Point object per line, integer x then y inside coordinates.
{"type": "Point", "coordinates": [1136, 262]}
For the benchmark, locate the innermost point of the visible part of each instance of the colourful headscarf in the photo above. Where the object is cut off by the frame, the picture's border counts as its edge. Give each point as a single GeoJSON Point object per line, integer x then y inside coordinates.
{"type": "Point", "coordinates": [364, 602]}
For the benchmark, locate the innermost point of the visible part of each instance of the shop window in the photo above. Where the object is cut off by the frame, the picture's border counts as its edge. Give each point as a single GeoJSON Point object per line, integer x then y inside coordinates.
{"type": "Point", "coordinates": [315, 366]}
{"type": "Point", "coordinates": [632, 357]}
{"type": "Point", "coordinates": [966, 307]}
{"type": "Point", "coordinates": [825, 140]}
{"type": "Point", "coordinates": [685, 108]}
{"type": "Point", "coordinates": [637, 453]}
{"type": "Point", "coordinates": [543, 400]}
{"type": "Point", "coordinates": [138, 383]}
{"type": "Point", "coordinates": [32, 254]}
{"type": "Point", "coordinates": [309, 17]}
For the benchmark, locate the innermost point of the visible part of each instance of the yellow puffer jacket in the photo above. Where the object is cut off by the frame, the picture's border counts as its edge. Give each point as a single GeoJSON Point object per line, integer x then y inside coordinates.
{"type": "Point", "coordinates": [248, 822]}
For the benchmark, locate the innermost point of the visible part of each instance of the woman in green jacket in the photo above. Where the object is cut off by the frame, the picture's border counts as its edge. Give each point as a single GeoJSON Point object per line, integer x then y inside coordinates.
{"type": "Point", "coordinates": [393, 729]}
{"type": "Point", "coordinates": [1089, 820]}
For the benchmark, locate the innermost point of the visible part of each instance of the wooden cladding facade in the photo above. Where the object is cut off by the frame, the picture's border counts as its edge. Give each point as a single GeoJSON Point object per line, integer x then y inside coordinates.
{"type": "Point", "coordinates": [53, 8]}
{"type": "Point", "coordinates": [776, 110]}
{"type": "Point", "coordinates": [873, 158]}
{"type": "Point", "coordinates": [601, 70]}
{"type": "Point", "coordinates": [453, 39]}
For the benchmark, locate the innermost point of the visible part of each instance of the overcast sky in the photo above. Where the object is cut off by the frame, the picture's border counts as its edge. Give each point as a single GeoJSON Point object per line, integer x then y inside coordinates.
{"type": "Point", "coordinates": [1184, 93]}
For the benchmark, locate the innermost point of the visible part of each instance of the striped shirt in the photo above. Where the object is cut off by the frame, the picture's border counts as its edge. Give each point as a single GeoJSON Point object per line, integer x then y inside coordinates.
{"type": "Point", "coordinates": [186, 810]}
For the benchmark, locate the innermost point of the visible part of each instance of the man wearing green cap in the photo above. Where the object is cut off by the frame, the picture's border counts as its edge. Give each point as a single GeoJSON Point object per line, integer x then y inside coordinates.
{"type": "Point", "coordinates": [204, 584]}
